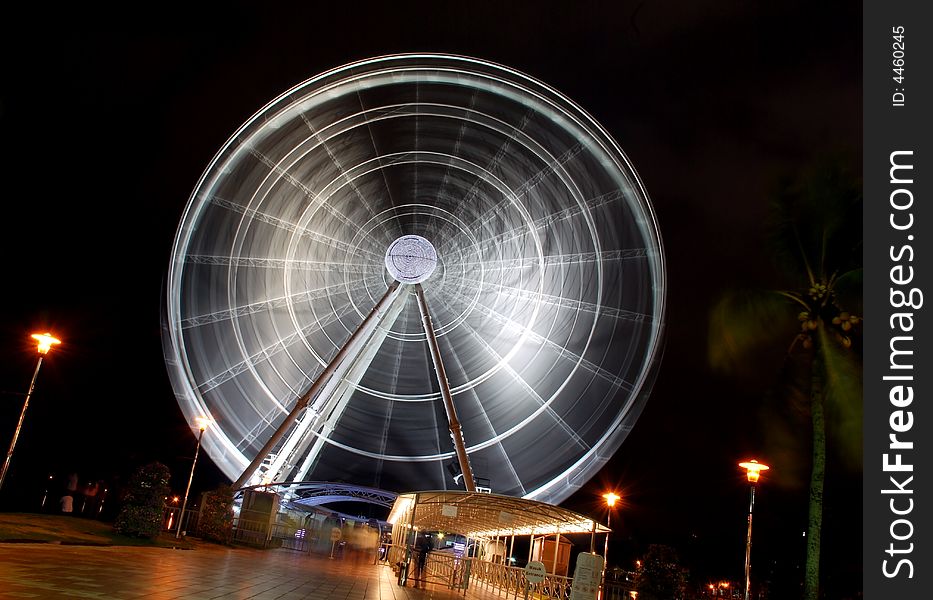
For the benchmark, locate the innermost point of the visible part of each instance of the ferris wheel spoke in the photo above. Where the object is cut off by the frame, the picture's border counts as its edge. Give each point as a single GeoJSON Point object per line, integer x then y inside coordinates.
{"type": "Point", "coordinates": [387, 420]}
{"type": "Point", "coordinates": [615, 381]}
{"type": "Point", "coordinates": [376, 149]}
{"type": "Point", "coordinates": [493, 165]}
{"type": "Point", "coordinates": [265, 420]}
{"type": "Point", "coordinates": [550, 260]}
{"type": "Point", "coordinates": [343, 173]}
{"type": "Point", "coordinates": [481, 410]}
{"type": "Point", "coordinates": [547, 223]}
{"type": "Point", "coordinates": [492, 213]}
{"type": "Point", "coordinates": [458, 143]}
{"type": "Point", "coordinates": [271, 350]}
{"type": "Point", "coordinates": [313, 198]}
{"type": "Point", "coordinates": [290, 227]}
{"type": "Point", "coordinates": [268, 304]}
{"type": "Point", "coordinates": [525, 386]}
{"type": "Point", "coordinates": [281, 263]}
{"type": "Point", "coordinates": [565, 303]}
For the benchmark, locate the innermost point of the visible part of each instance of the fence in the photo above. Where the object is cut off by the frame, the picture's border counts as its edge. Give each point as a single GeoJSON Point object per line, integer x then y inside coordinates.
{"type": "Point", "coordinates": [189, 521]}
{"type": "Point", "coordinates": [510, 582]}
{"type": "Point", "coordinates": [444, 568]}
{"type": "Point", "coordinates": [276, 535]}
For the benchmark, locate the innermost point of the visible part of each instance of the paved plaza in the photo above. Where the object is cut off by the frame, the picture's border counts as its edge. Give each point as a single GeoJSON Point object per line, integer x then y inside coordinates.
{"type": "Point", "coordinates": [208, 572]}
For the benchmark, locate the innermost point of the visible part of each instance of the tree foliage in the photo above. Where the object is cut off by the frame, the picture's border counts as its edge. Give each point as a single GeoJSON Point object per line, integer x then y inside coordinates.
{"type": "Point", "coordinates": [144, 501]}
{"type": "Point", "coordinates": [661, 576]}
{"type": "Point", "coordinates": [215, 522]}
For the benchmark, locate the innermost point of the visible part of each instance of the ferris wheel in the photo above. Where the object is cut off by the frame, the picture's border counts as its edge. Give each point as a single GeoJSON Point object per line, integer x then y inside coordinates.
{"type": "Point", "coordinates": [417, 272]}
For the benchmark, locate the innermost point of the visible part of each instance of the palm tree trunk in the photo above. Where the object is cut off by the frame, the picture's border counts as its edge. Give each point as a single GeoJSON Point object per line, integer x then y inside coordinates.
{"type": "Point", "coordinates": [811, 587]}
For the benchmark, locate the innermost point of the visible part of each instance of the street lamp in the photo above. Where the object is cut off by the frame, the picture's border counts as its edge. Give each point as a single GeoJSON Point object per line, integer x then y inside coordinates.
{"type": "Point", "coordinates": [611, 500]}
{"type": "Point", "coordinates": [203, 422]}
{"type": "Point", "coordinates": [753, 470]}
{"type": "Point", "coordinates": [45, 342]}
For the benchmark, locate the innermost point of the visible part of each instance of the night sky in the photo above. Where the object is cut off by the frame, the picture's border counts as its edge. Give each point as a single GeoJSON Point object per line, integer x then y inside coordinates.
{"type": "Point", "coordinates": [108, 120]}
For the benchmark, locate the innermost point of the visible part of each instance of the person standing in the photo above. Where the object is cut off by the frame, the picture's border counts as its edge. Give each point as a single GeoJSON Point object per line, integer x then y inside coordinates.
{"type": "Point", "coordinates": [423, 548]}
{"type": "Point", "coordinates": [67, 504]}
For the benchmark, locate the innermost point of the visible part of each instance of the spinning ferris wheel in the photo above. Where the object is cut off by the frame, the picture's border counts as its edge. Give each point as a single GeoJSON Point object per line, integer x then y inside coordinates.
{"type": "Point", "coordinates": [413, 269]}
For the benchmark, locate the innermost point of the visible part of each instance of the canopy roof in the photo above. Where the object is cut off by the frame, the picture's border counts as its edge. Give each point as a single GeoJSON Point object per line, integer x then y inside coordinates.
{"type": "Point", "coordinates": [479, 515]}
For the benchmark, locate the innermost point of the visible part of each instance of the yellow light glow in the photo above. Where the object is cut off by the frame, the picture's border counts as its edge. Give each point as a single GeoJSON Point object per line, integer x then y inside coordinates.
{"type": "Point", "coordinates": [203, 422]}
{"type": "Point", "coordinates": [46, 341]}
{"type": "Point", "coordinates": [753, 469]}
{"type": "Point", "coordinates": [611, 499]}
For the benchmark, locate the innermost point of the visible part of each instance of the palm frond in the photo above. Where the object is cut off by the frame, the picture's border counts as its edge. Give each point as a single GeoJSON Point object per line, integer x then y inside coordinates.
{"type": "Point", "coordinates": [816, 222]}
{"type": "Point", "coordinates": [848, 288]}
{"type": "Point", "coordinates": [745, 321]}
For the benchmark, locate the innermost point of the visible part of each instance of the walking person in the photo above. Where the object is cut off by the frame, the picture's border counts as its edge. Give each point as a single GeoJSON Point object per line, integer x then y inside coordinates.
{"type": "Point", "coordinates": [423, 548]}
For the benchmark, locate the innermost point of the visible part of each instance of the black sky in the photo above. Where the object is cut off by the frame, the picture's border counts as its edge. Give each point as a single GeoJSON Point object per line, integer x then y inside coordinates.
{"type": "Point", "coordinates": [107, 120]}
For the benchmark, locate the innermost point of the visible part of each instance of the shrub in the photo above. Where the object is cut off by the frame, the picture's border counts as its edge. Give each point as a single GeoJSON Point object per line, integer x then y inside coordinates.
{"type": "Point", "coordinates": [216, 520]}
{"type": "Point", "coordinates": [141, 514]}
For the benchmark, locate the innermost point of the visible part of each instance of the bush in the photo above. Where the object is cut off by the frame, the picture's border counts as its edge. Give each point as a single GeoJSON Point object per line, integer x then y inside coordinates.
{"type": "Point", "coordinates": [141, 514]}
{"type": "Point", "coordinates": [660, 576]}
{"type": "Point", "coordinates": [215, 522]}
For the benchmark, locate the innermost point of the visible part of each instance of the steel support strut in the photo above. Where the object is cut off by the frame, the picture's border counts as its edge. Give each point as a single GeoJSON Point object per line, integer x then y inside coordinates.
{"type": "Point", "coordinates": [306, 398]}
{"type": "Point", "coordinates": [468, 481]}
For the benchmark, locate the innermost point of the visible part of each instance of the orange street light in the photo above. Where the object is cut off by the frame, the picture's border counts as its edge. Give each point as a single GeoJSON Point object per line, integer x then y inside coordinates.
{"type": "Point", "coordinates": [45, 342]}
{"type": "Point", "coordinates": [753, 470]}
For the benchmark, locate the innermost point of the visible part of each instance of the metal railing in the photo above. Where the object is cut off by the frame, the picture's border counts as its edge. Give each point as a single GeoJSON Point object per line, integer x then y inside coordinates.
{"type": "Point", "coordinates": [189, 520]}
{"type": "Point", "coordinates": [443, 568]}
{"type": "Point", "coordinates": [275, 535]}
{"type": "Point", "coordinates": [510, 582]}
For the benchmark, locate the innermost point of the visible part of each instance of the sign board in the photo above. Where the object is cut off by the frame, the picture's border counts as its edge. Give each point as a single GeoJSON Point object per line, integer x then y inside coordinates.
{"type": "Point", "coordinates": [335, 534]}
{"type": "Point", "coordinates": [586, 577]}
{"type": "Point", "coordinates": [449, 510]}
{"type": "Point", "coordinates": [535, 572]}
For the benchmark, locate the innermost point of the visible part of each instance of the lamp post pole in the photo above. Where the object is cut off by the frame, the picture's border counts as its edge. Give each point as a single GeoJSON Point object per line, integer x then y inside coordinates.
{"type": "Point", "coordinates": [611, 499]}
{"type": "Point", "coordinates": [202, 425]}
{"type": "Point", "coordinates": [748, 543]}
{"type": "Point", "coordinates": [753, 470]}
{"type": "Point", "coordinates": [46, 342]}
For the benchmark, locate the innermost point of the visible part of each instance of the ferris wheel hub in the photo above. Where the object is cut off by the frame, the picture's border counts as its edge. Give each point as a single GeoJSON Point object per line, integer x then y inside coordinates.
{"type": "Point", "coordinates": [411, 259]}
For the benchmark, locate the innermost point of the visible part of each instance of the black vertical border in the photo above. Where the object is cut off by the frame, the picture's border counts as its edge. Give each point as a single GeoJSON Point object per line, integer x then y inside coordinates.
{"type": "Point", "coordinates": [889, 128]}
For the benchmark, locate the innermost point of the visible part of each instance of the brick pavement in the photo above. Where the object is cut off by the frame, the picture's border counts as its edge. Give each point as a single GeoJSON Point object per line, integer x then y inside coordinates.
{"type": "Point", "coordinates": [207, 572]}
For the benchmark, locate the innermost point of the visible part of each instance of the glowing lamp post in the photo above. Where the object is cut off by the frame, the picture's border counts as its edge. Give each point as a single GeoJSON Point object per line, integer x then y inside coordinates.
{"type": "Point", "coordinates": [45, 342]}
{"type": "Point", "coordinates": [203, 422]}
{"type": "Point", "coordinates": [611, 500]}
{"type": "Point", "coordinates": [753, 470]}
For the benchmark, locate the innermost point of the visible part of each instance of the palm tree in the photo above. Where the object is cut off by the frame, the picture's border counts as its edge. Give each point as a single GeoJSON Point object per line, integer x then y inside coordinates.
{"type": "Point", "coordinates": [817, 237]}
